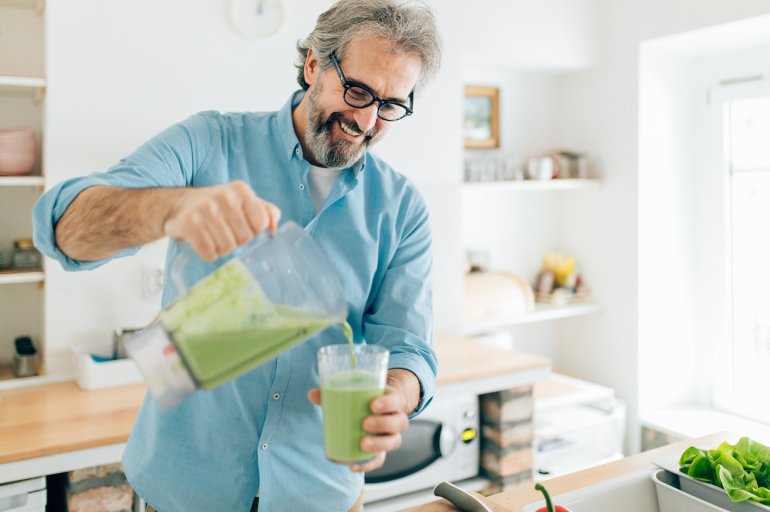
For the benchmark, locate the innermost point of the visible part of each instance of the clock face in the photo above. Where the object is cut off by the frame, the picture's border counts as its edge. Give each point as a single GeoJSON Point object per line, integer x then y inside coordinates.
{"type": "Point", "coordinates": [256, 19]}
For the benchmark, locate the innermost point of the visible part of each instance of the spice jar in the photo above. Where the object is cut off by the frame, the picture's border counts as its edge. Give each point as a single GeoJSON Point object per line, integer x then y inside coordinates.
{"type": "Point", "coordinates": [25, 255]}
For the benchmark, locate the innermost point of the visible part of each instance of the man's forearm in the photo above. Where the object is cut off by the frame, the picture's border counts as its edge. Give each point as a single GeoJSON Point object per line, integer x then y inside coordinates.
{"type": "Point", "coordinates": [102, 221]}
{"type": "Point", "coordinates": [408, 386]}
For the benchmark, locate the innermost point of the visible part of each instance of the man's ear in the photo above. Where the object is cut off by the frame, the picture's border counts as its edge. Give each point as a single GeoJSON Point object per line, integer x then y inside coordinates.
{"type": "Point", "coordinates": [312, 67]}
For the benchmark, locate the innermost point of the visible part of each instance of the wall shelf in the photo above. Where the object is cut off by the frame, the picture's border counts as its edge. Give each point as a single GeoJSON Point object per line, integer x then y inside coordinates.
{"type": "Point", "coordinates": [524, 185]}
{"type": "Point", "coordinates": [22, 181]}
{"type": "Point", "coordinates": [542, 313]}
{"type": "Point", "coordinates": [21, 276]}
{"type": "Point", "coordinates": [38, 5]}
{"type": "Point", "coordinates": [21, 84]}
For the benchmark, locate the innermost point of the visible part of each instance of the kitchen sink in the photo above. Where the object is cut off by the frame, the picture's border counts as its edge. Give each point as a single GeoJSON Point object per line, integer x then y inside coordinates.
{"type": "Point", "coordinates": [634, 492]}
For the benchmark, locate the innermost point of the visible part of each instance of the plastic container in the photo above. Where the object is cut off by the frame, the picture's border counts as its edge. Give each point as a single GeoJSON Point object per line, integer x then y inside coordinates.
{"type": "Point", "coordinates": [678, 492]}
{"type": "Point", "coordinates": [93, 374]}
{"type": "Point", "coordinates": [672, 499]}
{"type": "Point", "coordinates": [238, 313]}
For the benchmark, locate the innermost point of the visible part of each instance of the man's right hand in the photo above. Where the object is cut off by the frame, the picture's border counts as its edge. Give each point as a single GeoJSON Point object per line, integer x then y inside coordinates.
{"type": "Point", "coordinates": [215, 220]}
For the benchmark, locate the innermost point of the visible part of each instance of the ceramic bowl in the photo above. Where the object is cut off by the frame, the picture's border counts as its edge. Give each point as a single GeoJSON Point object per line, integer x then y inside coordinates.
{"type": "Point", "coordinates": [16, 163]}
{"type": "Point", "coordinates": [20, 140]}
{"type": "Point", "coordinates": [17, 151]}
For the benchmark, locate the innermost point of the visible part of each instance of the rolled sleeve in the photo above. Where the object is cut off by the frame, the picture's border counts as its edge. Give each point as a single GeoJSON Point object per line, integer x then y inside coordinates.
{"type": "Point", "coordinates": [401, 315]}
{"type": "Point", "coordinates": [167, 160]}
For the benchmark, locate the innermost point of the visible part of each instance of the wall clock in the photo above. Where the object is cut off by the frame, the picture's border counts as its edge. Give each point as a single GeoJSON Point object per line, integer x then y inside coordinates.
{"type": "Point", "coordinates": [256, 19]}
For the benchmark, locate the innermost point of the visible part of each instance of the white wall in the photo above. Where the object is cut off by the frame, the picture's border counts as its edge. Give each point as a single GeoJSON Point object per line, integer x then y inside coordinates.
{"type": "Point", "coordinates": [603, 118]}
{"type": "Point", "coordinates": [119, 72]}
{"type": "Point", "coordinates": [667, 227]}
{"type": "Point", "coordinates": [522, 34]}
{"type": "Point", "coordinates": [682, 205]}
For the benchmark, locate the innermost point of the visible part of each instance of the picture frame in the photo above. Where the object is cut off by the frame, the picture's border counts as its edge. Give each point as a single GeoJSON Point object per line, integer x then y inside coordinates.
{"type": "Point", "coordinates": [481, 117]}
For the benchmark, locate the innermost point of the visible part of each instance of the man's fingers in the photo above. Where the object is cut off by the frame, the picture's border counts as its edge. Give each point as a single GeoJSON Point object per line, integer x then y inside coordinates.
{"type": "Point", "coordinates": [257, 214]}
{"type": "Point", "coordinates": [381, 443]}
{"type": "Point", "coordinates": [274, 214]}
{"type": "Point", "coordinates": [221, 233]}
{"type": "Point", "coordinates": [385, 404]}
{"type": "Point", "coordinates": [386, 424]}
{"type": "Point", "coordinates": [373, 464]}
{"type": "Point", "coordinates": [314, 395]}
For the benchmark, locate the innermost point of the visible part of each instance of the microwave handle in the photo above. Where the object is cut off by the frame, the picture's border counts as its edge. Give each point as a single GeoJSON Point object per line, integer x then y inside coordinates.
{"type": "Point", "coordinates": [446, 441]}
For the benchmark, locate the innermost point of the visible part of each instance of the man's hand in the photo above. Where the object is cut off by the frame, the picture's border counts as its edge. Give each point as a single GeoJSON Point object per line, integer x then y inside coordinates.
{"type": "Point", "coordinates": [215, 220]}
{"type": "Point", "coordinates": [389, 416]}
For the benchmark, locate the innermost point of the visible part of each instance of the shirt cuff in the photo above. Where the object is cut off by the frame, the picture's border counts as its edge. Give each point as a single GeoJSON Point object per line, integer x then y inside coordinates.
{"type": "Point", "coordinates": [47, 212]}
{"type": "Point", "coordinates": [421, 370]}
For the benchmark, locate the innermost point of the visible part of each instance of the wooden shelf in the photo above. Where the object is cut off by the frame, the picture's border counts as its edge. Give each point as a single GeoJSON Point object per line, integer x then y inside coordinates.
{"type": "Point", "coordinates": [526, 185]}
{"type": "Point", "coordinates": [21, 84]}
{"type": "Point", "coordinates": [38, 5]}
{"type": "Point", "coordinates": [16, 276]}
{"type": "Point", "coordinates": [22, 181]}
{"type": "Point", "coordinates": [542, 313]}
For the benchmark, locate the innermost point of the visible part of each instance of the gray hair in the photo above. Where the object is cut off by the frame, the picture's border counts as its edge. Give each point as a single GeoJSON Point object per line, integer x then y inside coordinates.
{"type": "Point", "coordinates": [409, 28]}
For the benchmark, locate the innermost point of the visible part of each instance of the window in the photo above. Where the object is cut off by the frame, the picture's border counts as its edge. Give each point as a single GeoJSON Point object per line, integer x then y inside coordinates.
{"type": "Point", "coordinates": [742, 372]}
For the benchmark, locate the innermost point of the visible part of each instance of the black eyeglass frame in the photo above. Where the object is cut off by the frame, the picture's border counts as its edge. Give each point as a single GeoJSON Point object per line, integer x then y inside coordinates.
{"type": "Point", "coordinates": [348, 84]}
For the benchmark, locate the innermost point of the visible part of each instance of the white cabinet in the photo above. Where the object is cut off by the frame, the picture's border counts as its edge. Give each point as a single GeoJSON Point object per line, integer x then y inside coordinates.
{"type": "Point", "coordinates": [577, 425]}
{"type": "Point", "coordinates": [23, 496]}
{"type": "Point", "coordinates": [22, 93]}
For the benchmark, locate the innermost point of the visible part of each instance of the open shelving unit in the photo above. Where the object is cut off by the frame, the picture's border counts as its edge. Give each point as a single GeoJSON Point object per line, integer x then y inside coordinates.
{"type": "Point", "coordinates": [542, 313]}
{"type": "Point", "coordinates": [22, 181]}
{"type": "Point", "coordinates": [529, 185]}
{"type": "Point", "coordinates": [22, 103]}
{"type": "Point", "coordinates": [17, 276]}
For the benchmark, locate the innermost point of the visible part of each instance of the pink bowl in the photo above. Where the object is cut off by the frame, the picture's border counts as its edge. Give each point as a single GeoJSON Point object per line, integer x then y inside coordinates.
{"type": "Point", "coordinates": [16, 163]}
{"type": "Point", "coordinates": [20, 140]}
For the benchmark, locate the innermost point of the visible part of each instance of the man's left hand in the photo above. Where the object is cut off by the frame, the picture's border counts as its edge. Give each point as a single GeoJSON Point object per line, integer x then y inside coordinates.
{"type": "Point", "coordinates": [389, 416]}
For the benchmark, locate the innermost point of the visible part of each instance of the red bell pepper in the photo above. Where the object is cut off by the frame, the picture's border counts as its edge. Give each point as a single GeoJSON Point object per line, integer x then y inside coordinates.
{"type": "Point", "coordinates": [548, 505]}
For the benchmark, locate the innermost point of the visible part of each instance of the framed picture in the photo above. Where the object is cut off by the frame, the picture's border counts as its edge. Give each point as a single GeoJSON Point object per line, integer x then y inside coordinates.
{"type": "Point", "coordinates": [481, 121]}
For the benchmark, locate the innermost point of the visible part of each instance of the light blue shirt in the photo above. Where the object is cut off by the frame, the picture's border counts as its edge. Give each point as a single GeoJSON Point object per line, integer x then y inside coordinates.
{"type": "Point", "coordinates": [259, 432]}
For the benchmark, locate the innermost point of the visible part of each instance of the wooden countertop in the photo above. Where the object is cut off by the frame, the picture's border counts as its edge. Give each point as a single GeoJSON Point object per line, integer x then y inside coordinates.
{"type": "Point", "coordinates": [56, 418]}
{"type": "Point", "coordinates": [521, 496]}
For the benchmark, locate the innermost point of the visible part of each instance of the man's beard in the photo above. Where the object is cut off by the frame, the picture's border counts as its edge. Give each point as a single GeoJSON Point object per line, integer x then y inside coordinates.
{"type": "Point", "coordinates": [339, 153]}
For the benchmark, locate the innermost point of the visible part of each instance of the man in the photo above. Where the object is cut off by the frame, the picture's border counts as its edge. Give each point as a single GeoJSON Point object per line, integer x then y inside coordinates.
{"type": "Point", "coordinates": [215, 182]}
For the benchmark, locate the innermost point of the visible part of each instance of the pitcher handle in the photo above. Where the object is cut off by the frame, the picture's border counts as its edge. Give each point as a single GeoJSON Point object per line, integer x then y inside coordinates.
{"type": "Point", "coordinates": [177, 278]}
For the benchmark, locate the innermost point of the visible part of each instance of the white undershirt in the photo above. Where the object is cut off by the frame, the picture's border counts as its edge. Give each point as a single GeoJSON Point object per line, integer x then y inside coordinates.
{"type": "Point", "coordinates": [320, 181]}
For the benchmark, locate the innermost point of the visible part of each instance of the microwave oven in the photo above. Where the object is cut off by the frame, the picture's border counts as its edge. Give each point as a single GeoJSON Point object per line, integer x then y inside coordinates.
{"type": "Point", "coordinates": [442, 443]}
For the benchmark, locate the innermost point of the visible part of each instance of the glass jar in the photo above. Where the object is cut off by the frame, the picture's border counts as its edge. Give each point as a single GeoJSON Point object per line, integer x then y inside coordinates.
{"type": "Point", "coordinates": [25, 255]}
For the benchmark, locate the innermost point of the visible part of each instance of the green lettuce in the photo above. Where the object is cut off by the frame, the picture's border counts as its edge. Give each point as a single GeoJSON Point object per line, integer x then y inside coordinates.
{"type": "Point", "coordinates": [742, 469]}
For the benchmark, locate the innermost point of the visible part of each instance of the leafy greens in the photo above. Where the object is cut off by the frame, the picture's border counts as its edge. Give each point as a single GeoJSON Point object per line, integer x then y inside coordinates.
{"type": "Point", "coordinates": [742, 469]}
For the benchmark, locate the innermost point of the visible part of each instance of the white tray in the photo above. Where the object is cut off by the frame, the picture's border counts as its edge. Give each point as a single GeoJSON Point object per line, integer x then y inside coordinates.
{"type": "Point", "coordinates": [704, 491]}
{"type": "Point", "coordinates": [679, 492]}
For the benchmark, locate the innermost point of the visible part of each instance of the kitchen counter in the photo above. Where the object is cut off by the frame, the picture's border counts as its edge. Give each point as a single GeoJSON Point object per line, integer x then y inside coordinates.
{"type": "Point", "coordinates": [58, 427]}
{"type": "Point", "coordinates": [521, 496]}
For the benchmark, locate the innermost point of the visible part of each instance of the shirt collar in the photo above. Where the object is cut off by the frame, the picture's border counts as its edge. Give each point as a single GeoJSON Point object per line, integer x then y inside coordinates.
{"type": "Point", "coordinates": [289, 137]}
{"type": "Point", "coordinates": [286, 126]}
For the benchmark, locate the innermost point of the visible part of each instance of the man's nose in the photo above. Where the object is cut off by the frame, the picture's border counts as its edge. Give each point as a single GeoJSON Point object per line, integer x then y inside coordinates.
{"type": "Point", "coordinates": [366, 117]}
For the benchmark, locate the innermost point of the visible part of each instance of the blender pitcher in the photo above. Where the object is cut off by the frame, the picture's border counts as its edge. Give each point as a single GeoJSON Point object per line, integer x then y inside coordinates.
{"type": "Point", "coordinates": [262, 299]}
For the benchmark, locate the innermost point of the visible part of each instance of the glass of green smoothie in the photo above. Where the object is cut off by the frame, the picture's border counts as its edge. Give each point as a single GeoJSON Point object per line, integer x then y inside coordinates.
{"type": "Point", "coordinates": [351, 376]}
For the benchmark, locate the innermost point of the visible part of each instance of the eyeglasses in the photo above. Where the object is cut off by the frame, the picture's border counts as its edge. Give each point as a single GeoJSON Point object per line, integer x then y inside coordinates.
{"type": "Point", "coordinates": [360, 96]}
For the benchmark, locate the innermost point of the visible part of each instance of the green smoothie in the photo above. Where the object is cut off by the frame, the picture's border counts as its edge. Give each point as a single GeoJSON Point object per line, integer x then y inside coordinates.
{"type": "Point", "coordinates": [226, 325]}
{"type": "Point", "coordinates": [345, 397]}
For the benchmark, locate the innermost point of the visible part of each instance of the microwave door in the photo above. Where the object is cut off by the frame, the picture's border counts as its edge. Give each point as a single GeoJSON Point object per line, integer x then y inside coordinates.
{"type": "Point", "coordinates": [420, 447]}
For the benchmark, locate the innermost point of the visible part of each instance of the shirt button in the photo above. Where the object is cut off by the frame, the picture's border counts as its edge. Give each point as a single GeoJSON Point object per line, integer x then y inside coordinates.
{"type": "Point", "coordinates": [276, 396]}
{"type": "Point", "coordinates": [264, 446]}
{"type": "Point", "coordinates": [302, 186]}
{"type": "Point", "coordinates": [296, 151]}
